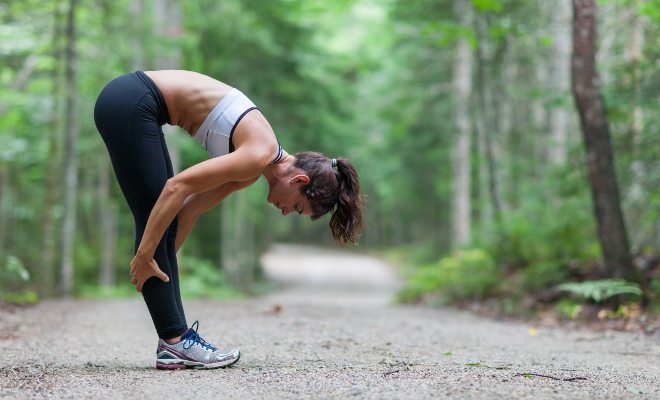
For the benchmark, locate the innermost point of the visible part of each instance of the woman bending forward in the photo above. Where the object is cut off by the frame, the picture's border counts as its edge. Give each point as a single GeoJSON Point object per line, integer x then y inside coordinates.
{"type": "Point", "coordinates": [130, 113]}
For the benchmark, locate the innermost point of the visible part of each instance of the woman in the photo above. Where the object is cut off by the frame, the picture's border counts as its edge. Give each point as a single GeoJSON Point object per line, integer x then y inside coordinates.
{"type": "Point", "coordinates": [130, 113]}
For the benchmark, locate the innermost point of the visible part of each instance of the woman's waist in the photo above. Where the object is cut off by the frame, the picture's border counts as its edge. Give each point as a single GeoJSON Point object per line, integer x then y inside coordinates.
{"type": "Point", "coordinates": [160, 110]}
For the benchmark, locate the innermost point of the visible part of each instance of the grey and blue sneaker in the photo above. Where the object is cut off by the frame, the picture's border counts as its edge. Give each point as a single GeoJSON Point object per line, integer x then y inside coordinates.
{"type": "Point", "coordinates": [193, 352]}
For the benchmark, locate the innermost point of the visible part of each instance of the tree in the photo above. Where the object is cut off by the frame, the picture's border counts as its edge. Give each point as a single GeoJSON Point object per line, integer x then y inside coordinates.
{"type": "Point", "coordinates": [595, 131]}
{"type": "Point", "coordinates": [559, 79]}
{"type": "Point", "coordinates": [462, 83]}
{"type": "Point", "coordinates": [70, 156]}
{"type": "Point", "coordinates": [49, 226]}
{"type": "Point", "coordinates": [486, 127]}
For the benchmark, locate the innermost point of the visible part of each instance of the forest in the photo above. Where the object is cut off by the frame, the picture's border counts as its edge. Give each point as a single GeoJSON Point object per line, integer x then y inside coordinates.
{"type": "Point", "coordinates": [497, 160]}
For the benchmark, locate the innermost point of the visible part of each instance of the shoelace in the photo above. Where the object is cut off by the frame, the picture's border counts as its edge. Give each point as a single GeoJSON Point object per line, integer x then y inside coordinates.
{"type": "Point", "coordinates": [195, 338]}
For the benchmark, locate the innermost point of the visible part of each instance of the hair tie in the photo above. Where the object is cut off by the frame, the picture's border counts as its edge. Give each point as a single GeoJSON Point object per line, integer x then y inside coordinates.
{"type": "Point", "coordinates": [334, 162]}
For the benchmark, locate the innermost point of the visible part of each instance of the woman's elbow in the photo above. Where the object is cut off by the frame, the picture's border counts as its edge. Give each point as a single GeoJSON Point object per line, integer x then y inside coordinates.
{"type": "Point", "coordinates": [174, 188]}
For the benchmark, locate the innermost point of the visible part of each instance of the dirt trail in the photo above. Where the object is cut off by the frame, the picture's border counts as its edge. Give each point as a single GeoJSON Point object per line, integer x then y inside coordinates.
{"type": "Point", "coordinates": [331, 332]}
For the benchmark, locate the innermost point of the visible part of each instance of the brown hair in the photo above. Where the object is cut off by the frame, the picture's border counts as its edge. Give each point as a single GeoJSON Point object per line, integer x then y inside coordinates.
{"type": "Point", "coordinates": [336, 189]}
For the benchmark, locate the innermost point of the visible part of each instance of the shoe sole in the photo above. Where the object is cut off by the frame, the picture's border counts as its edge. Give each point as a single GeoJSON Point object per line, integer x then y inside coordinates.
{"type": "Point", "coordinates": [183, 364]}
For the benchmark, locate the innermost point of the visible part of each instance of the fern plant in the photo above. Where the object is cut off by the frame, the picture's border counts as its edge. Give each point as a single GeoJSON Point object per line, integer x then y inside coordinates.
{"type": "Point", "coordinates": [601, 290]}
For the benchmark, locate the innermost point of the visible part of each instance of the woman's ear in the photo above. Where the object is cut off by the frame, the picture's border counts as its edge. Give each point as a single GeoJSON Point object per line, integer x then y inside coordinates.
{"type": "Point", "coordinates": [300, 179]}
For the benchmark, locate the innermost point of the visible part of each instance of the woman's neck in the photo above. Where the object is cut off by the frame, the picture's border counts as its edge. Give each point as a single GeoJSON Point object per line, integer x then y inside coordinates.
{"type": "Point", "coordinates": [280, 169]}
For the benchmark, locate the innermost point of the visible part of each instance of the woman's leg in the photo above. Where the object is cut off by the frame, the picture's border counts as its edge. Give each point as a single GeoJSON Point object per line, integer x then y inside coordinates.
{"type": "Point", "coordinates": [163, 298]}
{"type": "Point", "coordinates": [125, 115]}
{"type": "Point", "coordinates": [171, 238]}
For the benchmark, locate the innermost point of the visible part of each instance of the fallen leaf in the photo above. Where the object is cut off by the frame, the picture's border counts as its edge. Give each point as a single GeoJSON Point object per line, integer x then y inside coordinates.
{"type": "Point", "coordinates": [274, 309]}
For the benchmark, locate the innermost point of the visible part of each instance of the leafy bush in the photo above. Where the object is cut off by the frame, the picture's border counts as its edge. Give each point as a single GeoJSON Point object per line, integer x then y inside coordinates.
{"type": "Point", "coordinates": [118, 291]}
{"type": "Point", "coordinates": [528, 237]}
{"type": "Point", "coordinates": [466, 275]}
{"type": "Point", "coordinates": [654, 288]}
{"type": "Point", "coordinates": [200, 278]}
{"type": "Point", "coordinates": [13, 271]}
{"type": "Point", "coordinates": [544, 275]}
{"type": "Point", "coordinates": [405, 256]}
{"type": "Point", "coordinates": [568, 308]}
{"type": "Point", "coordinates": [654, 285]}
{"type": "Point", "coordinates": [13, 278]}
{"type": "Point", "coordinates": [600, 290]}
{"type": "Point", "coordinates": [542, 229]}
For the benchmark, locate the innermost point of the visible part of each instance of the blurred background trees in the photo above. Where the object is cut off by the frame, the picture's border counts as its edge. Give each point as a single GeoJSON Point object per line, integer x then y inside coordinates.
{"type": "Point", "coordinates": [458, 114]}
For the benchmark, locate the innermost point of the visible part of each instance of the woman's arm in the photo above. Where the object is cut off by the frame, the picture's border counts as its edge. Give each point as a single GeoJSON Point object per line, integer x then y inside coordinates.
{"type": "Point", "coordinates": [197, 204]}
{"type": "Point", "coordinates": [242, 165]}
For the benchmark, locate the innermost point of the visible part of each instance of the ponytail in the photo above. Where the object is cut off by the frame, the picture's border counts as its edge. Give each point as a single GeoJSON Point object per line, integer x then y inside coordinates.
{"type": "Point", "coordinates": [346, 220]}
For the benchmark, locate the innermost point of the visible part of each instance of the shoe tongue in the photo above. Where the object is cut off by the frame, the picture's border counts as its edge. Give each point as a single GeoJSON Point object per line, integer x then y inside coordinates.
{"type": "Point", "coordinates": [187, 334]}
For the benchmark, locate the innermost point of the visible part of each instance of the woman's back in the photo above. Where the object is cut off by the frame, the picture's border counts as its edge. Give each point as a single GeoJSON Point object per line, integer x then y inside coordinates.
{"type": "Point", "coordinates": [189, 96]}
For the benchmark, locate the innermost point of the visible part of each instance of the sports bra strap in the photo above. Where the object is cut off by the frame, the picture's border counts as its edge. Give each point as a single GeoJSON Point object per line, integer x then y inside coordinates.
{"type": "Point", "coordinates": [279, 154]}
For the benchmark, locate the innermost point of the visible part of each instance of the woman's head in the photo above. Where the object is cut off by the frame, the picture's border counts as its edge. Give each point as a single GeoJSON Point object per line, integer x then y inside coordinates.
{"type": "Point", "coordinates": [333, 186]}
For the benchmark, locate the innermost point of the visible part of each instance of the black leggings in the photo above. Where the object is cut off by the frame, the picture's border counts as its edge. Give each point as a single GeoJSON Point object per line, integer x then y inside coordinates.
{"type": "Point", "coordinates": [129, 114]}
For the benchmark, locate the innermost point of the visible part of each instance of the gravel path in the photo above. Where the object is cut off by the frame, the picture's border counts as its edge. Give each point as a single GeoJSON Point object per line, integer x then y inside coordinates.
{"type": "Point", "coordinates": [330, 333]}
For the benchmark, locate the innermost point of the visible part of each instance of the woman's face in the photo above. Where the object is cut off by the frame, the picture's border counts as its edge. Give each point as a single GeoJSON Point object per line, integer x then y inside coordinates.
{"type": "Point", "coordinates": [285, 195]}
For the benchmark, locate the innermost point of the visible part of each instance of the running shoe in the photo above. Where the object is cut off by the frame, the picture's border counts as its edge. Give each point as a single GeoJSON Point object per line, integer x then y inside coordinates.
{"type": "Point", "coordinates": [193, 352]}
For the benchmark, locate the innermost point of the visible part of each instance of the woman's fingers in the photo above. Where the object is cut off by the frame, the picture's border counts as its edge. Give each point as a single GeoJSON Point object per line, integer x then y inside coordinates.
{"type": "Point", "coordinates": [157, 272]}
{"type": "Point", "coordinates": [140, 275]}
{"type": "Point", "coordinates": [162, 276]}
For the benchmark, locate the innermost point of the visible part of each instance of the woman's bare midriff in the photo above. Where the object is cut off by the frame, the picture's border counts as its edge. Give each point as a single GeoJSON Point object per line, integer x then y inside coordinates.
{"type": "Point", "coordinates": [189, 96]}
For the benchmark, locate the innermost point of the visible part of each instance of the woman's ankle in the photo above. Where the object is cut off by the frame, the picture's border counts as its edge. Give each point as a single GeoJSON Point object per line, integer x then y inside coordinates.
{"type": "Point", "coordinates": [174, 340]}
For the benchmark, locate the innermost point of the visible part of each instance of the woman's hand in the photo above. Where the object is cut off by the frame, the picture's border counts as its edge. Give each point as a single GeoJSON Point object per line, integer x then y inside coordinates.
{"type": "Point", "coordinates": [143, 268]}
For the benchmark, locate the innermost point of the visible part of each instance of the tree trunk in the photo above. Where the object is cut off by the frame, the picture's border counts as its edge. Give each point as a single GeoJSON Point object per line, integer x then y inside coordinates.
{"type": "Point", "coordinates": [595, 131]}
{"type": "Point", "coordinates": [48, 249]}
{"type": "Point", "coordinates": [108, 227]}
{"type": "Point", "coordinates": [505, 124]}
{"type": "Point", "coordinates": [70, 156]}
{"type": "Point", "coordinates": [636, 190]}
{"type": "Point", "coordinates": [486, 128]}
{"type": "Point", "coordinates": [462, 83]}
{"type": "Point", "coordinates": [138, 31]}
{"type": "Point", "coordinates": [2, 210]}
{"type": "Point", "coordinates": [237, 240]}
{"type": "Point", "coordinates": [559, 81]}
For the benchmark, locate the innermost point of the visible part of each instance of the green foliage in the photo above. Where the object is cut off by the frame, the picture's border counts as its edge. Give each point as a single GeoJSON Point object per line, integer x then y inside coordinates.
{"type": "Point", "coordinates": [601, 290]}
{"type": "Point", "coordinates": [23, 297]}
{"type": "Point", "coordinates": [468, 274]}
{"type": "Point", "coordinates": [542, 234]}
{"type": "Point", "coordinates": [543, 275]}
{"type": "Point", "coordinates": [568, 308]}
{"type": "Point", "coordinates": [488, 5]}
{"type": "Point", "coordinates": [199, 278]}
{"type": "Point", "coordinates": [413, 255]}
{"type": "Point", "coordinates": [119, 291]}
{"type": "Point", "coordinates": [13, 271]}
{"type": "Point", "coordinates": [651, 9]}
{"type": "Point", "coordinates": [654, 295]}
{"type": "Point", "coordinates": [655, 286]}
{"type": "Point", "coordinates": [13, 278]}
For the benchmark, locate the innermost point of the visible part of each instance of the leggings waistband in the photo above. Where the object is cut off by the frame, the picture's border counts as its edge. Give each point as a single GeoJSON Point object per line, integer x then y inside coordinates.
{"type": "Point", "coordinates": [163, 116]}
